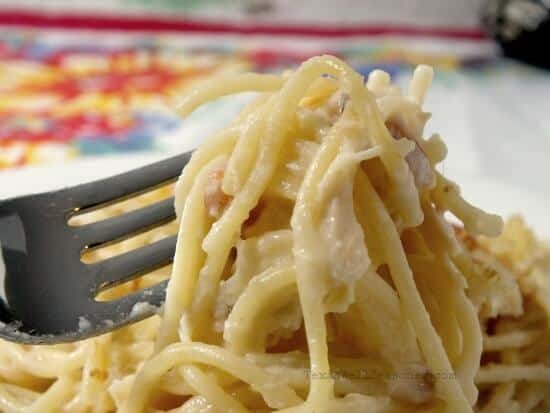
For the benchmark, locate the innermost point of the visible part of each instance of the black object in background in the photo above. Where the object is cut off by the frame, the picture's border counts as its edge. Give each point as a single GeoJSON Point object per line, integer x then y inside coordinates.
{"type": "Point", "coordinates": [522, 27]}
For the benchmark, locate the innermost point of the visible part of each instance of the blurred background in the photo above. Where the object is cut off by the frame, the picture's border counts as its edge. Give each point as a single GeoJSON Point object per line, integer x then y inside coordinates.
{"type": "Point", "coordinates": [87, 88]}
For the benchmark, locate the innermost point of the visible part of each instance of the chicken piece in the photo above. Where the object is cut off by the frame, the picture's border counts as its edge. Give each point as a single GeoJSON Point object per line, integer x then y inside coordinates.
{"type": "Point", "coordinates": [215, 200]}
{"type": "Point", "coordinates": [424, 176]}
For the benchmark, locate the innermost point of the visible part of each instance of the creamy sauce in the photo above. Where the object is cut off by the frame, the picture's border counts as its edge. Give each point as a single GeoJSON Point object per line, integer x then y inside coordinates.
{"type": "Point", "coordinates": [83, 324]}
{"type": "Point", "coordinates": [141, 309]}
{"type": "Point", "coordinates": [343, 237]}
{"type": "Point", "coordinates": [254, 256]}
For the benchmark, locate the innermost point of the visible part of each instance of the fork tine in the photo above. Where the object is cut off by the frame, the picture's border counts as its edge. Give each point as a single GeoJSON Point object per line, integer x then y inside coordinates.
{"type": "Point", "coordinates": [126, 225]}
{"type": "Point", "coordinates": [154, 295]}
{"type": "Point", "coordinates": [123, 185]}
{"type": "Point", "coordinates": [128, 309]}
{"type": "Point", "coordinates": [124, 267]}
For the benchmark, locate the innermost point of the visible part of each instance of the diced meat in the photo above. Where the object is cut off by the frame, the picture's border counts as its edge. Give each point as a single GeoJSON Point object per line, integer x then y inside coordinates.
{"type": "Point", "coordinates": [424, 176]}
{"type": "Point", "coordinates": [395, 129]}
{"type": "Point", "coordinates": [215, 200]}
{"type": "Point", "coordinates": [467, 240]}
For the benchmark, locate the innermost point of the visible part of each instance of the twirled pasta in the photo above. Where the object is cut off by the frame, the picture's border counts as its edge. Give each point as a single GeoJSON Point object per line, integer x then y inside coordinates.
{"type": "Point", "coordinates": [315, 272]}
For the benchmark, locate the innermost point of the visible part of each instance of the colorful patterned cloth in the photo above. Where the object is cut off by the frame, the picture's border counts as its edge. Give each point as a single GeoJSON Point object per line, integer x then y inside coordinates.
{"type": "Point", "coordinates": [59, 101]}
{"type": "Point", "coordinates": [64, 95]}
{"type": "Point", "coordinates": [81, 94]}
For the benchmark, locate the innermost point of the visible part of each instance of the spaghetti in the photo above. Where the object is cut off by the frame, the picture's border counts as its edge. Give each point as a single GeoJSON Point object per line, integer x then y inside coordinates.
{"type": "Point", "coordinates": [314, 272]}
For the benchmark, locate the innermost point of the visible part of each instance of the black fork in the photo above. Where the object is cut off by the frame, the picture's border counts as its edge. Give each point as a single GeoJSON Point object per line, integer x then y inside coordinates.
{"type": "Point", "coordinates": [48, 295]}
